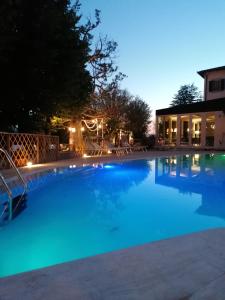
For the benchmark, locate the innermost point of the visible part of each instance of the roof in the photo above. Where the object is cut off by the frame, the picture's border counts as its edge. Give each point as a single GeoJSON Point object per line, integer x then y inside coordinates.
{"type": "Point", "coordinates": [203, 106]}
{"type": "Point", "coordinates": [202, 73]}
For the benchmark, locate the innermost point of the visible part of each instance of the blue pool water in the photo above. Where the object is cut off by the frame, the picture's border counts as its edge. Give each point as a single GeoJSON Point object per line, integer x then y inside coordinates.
{"type": "Point", "coordinates": [78, 212]}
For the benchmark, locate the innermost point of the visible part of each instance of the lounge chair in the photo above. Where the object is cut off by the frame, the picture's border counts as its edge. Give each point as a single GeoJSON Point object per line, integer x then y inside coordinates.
{"type": "Point", "coordinates": [139, 147]}
{"type": "Point", "coordinates": [93, 149]}
{"type": "Point", "coordinates": [119, 151]}
{"type": "Point", "coordinates": [99, 150]}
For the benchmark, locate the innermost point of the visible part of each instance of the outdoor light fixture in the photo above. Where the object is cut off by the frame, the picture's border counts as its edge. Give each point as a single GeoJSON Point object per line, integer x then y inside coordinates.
{"type": "Point", "coordinates": [72, 129]}
{"type": "Point", "coordinates": [29, 164]}
{"type": "Point", "coordinates": [72, 166]}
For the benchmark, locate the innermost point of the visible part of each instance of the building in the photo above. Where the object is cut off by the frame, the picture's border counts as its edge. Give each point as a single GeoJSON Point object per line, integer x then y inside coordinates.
{"type": "Point", "coordinates": [198, 125]}
{"type": "Point", "coordinates": [192, 174]}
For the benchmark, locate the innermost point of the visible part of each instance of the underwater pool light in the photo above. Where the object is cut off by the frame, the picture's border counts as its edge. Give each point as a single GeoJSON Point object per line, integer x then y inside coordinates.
{"type": "Point", "coordinates": [109, 167]}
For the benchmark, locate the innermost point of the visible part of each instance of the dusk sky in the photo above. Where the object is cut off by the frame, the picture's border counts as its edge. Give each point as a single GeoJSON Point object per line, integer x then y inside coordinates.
{"type": "Point", "coordinates": [162, 43]}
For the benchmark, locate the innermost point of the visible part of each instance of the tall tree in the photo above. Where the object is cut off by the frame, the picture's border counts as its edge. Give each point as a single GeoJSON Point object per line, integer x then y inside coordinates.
{"type": "Point", "coordinates": [104, 74]}
{"type": "Point", "coordinates": [43, 61]}
{"type": "Point", "coordinates": [123, 111]}
{"type": "Point", "coordinates": [187, 94]}
{"type": "Point", "coordinates": [138, 117]}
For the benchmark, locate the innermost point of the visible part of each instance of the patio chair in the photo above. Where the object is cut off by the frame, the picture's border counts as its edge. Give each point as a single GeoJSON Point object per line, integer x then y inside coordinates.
{"type": "Point", "coordinates": [99, 150]}
{"type": "Point", "coordinates": [89, 149]}
{"type": "Point", "coordinates": [119, 151]}
{"type": "Point", "coordinates": [139, 147]}
{"type": "Point", "coordinates": [127, 147]}
{"type": "Point", "coordinates": [93, 149]}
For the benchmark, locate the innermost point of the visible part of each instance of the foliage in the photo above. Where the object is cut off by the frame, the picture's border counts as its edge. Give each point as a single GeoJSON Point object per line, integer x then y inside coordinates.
{"type": "Point", "coordinates": [138, 116]}
{"type": "Point", "coordinates": [52, 72]}
{"type": "Point", "coordinates": [123, 111]}
{"type": "Point", "coordinates": [187, 94]}
{"type": "Point", "coordinates": [42, 62]}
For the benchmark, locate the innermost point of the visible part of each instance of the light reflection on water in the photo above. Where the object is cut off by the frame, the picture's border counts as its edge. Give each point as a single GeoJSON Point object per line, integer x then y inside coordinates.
{"type": "Point", "coordinates": [79, 212]}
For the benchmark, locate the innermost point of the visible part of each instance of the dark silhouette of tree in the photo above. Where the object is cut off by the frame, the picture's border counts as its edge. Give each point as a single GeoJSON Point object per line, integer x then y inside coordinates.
{"type": "Point", "coordinates": [51, 70]}
{"type": "Point", "coordinates": [104, 73]}
{"type": "Point", "coordinates": [138, 117]}
{"type": "Point", "coordinates": [187, 94]}
{"type": "Point", "coordinates": [43, 57]}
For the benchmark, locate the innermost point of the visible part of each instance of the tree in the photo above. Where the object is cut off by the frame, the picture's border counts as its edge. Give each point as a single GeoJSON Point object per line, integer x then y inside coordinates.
{"type": "Point", "coordinates": [187, 94]}
{"type": "Point", "coordinates": [43, 59]}
{"type": "Point", "coordinates": [138, 116]}
{"type": "Point", "coordinates": [121, 110]}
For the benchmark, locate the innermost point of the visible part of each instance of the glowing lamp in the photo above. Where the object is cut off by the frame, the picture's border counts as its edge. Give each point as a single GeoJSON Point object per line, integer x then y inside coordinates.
{"type": "Point", "coordinates": [29, 164]}
{"type": "Point", "coordinates": [72, 129]}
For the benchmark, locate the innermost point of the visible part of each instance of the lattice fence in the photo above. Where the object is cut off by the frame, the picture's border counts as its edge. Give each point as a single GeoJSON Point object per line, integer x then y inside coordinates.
{"type": "Point", "coordinates": [24, 147]}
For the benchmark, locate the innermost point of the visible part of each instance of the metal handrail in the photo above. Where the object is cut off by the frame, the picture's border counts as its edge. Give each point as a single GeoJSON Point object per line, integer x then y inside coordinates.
{"type": "Point", "coordinates": [9, 195]}
{"type": "Point", "coordinates": [6, 186]}
{"type": "Point", "coordinates": [9, 192]}
{"type": "Point", "coordinates": [14, 167]}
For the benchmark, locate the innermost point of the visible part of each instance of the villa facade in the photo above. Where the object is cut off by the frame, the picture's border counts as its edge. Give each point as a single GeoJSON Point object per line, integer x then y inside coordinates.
{"type": "Point", "coordinates": [200, 124]}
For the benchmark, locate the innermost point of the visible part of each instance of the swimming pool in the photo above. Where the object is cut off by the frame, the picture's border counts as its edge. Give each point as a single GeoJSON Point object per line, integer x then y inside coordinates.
{"type": "Point", "coordinates": [75, 212]}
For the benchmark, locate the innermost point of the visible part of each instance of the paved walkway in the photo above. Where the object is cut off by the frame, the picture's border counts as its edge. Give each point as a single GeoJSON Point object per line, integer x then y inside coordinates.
{"type": "Point", "coordinates": [187, 267]}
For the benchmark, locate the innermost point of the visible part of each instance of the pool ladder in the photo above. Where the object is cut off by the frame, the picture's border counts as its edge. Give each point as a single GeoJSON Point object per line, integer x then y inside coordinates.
{"type": "Point", "coordinates": [7, 188]}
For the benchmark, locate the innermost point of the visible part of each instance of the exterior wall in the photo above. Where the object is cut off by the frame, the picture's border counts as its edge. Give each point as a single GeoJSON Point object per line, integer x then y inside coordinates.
{"type": "Point", "coordinates": [197, 129]}
{"type": "Point", "coordinates": [219, 133]}
{"type": "Point", "coordinates": [220, 130]}
{"type": "Point", "coordinates": [213, 75]}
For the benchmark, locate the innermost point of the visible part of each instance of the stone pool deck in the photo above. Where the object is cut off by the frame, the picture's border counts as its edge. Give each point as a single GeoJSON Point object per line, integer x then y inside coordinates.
{"type": "Point", "coordinates": [186, 267]}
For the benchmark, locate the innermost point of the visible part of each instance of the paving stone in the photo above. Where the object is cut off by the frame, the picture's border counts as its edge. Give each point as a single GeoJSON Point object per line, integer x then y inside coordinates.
{"type": "Point", "coordinates": [172, 269]}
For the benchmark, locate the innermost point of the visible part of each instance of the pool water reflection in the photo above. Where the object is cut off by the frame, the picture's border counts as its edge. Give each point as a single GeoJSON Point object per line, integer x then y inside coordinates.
{"type": "Point", "coordinates": [80, 212]}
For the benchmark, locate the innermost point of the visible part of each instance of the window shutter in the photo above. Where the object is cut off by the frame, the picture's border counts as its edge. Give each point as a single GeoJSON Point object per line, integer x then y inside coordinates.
{"type": "Point", "coordinates": [222, 84]}
{"type": "Point", "coordinates": [210, 86]}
